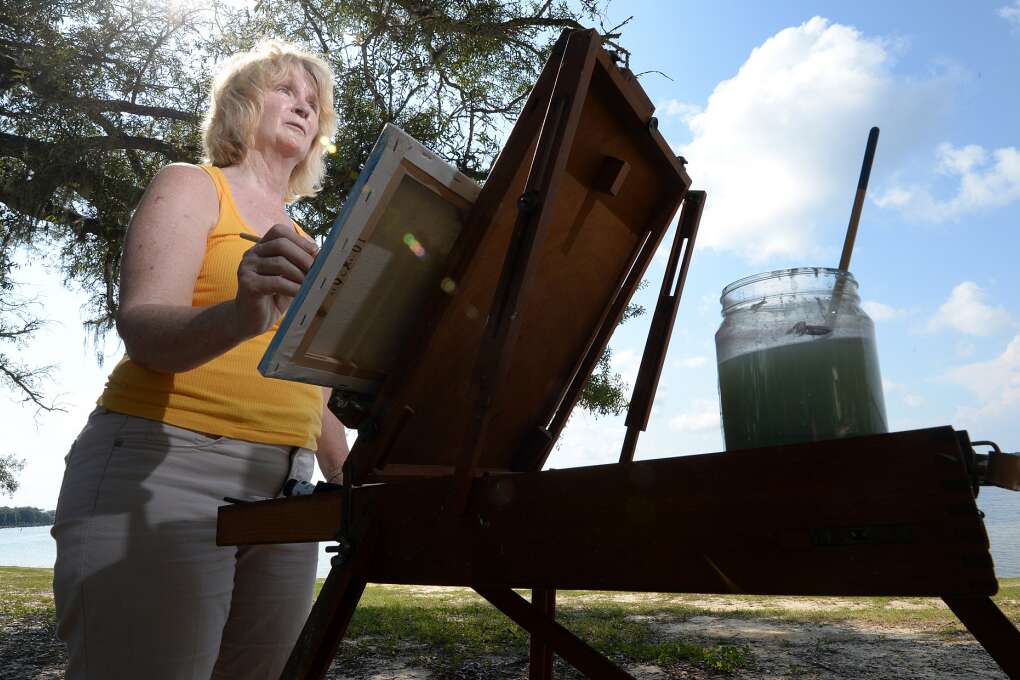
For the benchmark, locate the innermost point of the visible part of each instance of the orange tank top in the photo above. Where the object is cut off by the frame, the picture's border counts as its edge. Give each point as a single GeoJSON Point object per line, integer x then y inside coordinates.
{"type": "Point", "coordinates": [227, 395]}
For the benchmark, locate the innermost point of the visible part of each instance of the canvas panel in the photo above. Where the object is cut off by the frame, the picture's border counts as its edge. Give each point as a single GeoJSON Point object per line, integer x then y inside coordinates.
{"type": "Point", "coordinates": [384, 256]}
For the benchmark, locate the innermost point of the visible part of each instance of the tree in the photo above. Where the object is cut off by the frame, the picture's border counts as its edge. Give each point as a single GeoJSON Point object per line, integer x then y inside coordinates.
{"type": "Point", "coordinates": [10, 466]}
{"type": "Point", "coordinates": [97, 95]}
{"type": "Point", "coordinates": [25, 517]}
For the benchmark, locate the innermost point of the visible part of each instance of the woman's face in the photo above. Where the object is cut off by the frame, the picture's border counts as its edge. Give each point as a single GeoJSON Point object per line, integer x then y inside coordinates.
{"type": "Point", "coordinates": [290, 115]}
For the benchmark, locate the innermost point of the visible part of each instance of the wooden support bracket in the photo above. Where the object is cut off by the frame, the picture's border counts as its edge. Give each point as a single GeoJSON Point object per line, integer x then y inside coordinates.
{"type": "Point", "coordinates": [541, 655]}
{"type": "Point", "coordinates": [661, 328]}
{"type": "Point", "coordinates": [574, 650]}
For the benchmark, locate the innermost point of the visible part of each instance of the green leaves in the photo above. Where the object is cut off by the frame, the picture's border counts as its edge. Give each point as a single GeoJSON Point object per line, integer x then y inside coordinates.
{"type": "Point", "coordinates": [97, 95]}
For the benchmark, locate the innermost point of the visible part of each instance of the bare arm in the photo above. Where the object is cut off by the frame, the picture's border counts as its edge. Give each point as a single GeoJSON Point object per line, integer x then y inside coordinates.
{"type": "Point", "coordinates": [163, 253]}
{"type": "Point", "coordinates": [332, 444]}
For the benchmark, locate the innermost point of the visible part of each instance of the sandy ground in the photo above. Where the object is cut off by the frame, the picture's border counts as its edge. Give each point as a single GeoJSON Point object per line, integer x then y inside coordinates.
{"type": "Point", "coordinates": [777, 649]}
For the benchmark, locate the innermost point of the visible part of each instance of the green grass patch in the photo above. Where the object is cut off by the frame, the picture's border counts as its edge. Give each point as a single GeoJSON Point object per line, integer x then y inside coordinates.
{"type": "Point", "coordinates": [25, 593]}
{"type": "Point", "coordinates": [447, 628]}
{"type": "Point", "coordinates": [442, 629]}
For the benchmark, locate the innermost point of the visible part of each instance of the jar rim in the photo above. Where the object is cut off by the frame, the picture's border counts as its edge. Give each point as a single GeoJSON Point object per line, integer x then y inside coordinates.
{"type": "Point", "coordinates": [793, 271]}
{"type": "Point", "coordinates": [731, 299]}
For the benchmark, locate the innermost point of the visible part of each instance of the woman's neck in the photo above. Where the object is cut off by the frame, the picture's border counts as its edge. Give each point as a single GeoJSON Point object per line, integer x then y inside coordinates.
{"type": "Point", "coordinates": [268, 176]}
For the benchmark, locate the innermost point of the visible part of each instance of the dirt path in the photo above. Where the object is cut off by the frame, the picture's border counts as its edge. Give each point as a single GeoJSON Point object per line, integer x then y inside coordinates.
{"type": "Point", "coordinates": [775, 648]}
{"type": "Point", "coordinates": [843, 650]}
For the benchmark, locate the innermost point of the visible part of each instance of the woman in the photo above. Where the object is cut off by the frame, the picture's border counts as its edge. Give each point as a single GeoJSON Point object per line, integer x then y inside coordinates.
{"type": "Point", "coordinates": [142, 590]}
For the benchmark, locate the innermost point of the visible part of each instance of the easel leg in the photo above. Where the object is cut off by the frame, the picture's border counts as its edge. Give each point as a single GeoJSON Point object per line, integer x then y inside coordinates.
{"type": "Point", "coordinates": [540, 668]}
{"type": "Point", "coordinates": [562, 641]}
{"type": "Point", "coordinates": [991, 628]}
{"type": "Point", "coordinates": [326, 625]}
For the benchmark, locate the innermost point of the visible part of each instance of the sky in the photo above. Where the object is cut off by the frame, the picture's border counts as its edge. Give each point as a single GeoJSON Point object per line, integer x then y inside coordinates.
{"type": "Point", "coordinates": [771, 104]}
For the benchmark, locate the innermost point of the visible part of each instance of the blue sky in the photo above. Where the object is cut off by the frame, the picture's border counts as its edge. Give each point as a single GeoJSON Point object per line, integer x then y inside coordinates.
{"type": "Point", "coordinates": [771, 104]}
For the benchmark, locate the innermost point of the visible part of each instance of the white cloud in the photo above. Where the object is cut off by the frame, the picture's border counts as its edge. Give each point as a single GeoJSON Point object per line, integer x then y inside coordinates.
{"type": "Point", "coordinates": [626, 362]}
{"type": "Point", "coordinates": [996, 384]}
{"type": "Point", "coordinates": [966, 311]}
{"type": "Point", "coordinates": [896, 197]}
{"type": "Point", "coordinates": [913, 400]}
{"type": "Point", "coordinates": [1011, 13]}
{"type": "Point", "coordinates": [704, 416]}
{"type": "Point", "coordinates": [675, 108]}
{"type": "Point", "coordinates": [986, 180]}
{"type": "Point", "coordinates": [880, 312]}
{"type": "Point", "coordinates": [778, 145]}
{"type": "Point", "coordinates": [588, 440]}
{"type": "Point", "coordinates": [953, 161]}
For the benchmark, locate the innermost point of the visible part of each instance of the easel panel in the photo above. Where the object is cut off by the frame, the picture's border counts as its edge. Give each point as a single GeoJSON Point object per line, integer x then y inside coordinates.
{"type": "Point", "coordinates": [592, 237]}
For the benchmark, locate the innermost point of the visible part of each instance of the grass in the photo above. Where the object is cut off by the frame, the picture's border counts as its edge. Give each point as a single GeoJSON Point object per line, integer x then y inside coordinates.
{"type": "Point", "coordinates": [451, 628]}
{"type": "Point", "coordinates": [25, 593]}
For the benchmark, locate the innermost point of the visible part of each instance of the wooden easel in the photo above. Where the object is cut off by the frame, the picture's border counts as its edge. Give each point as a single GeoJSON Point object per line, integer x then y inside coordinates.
{"type": "Point", "coordinates": [553, 250]}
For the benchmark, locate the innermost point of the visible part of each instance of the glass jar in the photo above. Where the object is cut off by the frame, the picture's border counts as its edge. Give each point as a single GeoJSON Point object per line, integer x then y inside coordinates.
{"type": "Point", "coordinates": [797, 360]}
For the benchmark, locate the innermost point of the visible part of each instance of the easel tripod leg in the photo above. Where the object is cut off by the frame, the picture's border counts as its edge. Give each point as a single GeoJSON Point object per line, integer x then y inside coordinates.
{"type": "Point", "coordinates": [540, 666]}
{"type": "Point", "coordinates": [316, 647]}
{"type": "Point", "coordinates": [991, 628]}
{"type": "Point", "coordinates": [566, 645]}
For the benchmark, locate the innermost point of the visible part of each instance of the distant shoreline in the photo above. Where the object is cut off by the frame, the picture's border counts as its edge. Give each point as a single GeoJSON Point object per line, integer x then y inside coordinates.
{"type": "Point", "coordinates": [25, 526]}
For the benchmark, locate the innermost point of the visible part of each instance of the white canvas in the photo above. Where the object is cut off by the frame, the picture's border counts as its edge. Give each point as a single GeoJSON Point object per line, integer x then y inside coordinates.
{"type": "Point", "coordinates": [384, 257]}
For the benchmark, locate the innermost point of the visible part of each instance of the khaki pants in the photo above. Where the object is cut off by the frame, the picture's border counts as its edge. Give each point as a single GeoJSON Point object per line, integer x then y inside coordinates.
{"type": "Point", "coordinates": [141, 589]}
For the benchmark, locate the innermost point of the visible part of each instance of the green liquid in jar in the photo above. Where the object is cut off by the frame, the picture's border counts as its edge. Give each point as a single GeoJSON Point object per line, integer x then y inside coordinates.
{"type": "Point", "coordinates": [807, 391]}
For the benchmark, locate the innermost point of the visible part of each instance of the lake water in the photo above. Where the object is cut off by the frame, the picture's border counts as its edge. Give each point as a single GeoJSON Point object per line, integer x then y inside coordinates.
{"type": "Point", "coordinates": [33, 546]}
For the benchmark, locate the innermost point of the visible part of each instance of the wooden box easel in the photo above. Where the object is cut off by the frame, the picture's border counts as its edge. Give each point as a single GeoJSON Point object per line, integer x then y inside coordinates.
{"type": "Point", "coordinates": [445, 485]}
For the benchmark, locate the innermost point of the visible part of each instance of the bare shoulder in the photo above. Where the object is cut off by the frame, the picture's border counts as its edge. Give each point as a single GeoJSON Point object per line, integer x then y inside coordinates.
{"type": "Point", "coordinates": [187, 187]}
{"type": "Point", "coordinates": [180, 207]}
{"type": "Point", "coordinates": [166, 241]}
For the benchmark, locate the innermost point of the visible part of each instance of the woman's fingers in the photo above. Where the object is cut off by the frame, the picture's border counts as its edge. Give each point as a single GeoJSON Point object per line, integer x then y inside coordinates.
{"type": "Point", "coordinates": [283, 247]}
{"type": "Point", "coordinates": [281, 252]}
{"type": "Point", "coordinates": [282, 233]}
{"type": "Point", "coordinates": [279, 266]}
{"type": "Point", "coordinates": [271, 274]}
{"type": "Point", "coordinates": [263, 285]}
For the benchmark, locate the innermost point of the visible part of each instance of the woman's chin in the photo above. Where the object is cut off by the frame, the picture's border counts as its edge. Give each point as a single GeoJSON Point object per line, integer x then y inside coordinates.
{"type": "Point", "coordinates": [292, 147]}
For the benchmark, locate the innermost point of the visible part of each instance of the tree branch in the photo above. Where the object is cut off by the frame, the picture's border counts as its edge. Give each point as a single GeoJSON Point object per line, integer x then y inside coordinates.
{"type": "Point", "coordinates": [10, 145]}
{"type": "Point", "coordinates": [124, 106]}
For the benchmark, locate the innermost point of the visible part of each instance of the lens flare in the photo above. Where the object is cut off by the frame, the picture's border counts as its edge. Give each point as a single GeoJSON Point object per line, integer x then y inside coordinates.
{"type": "Point", "coordinates": [414, 245]}
{"type": "Point", "coordinates": [448, 285]}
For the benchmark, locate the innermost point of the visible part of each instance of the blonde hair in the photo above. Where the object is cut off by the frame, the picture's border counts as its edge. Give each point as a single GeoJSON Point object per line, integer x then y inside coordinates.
{"type": "Point", "coordinates": [228, 129]}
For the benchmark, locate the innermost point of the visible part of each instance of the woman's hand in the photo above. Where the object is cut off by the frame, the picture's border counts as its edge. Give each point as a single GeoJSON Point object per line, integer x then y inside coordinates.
{"type": "Point", "coordinates": [269, 276]}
